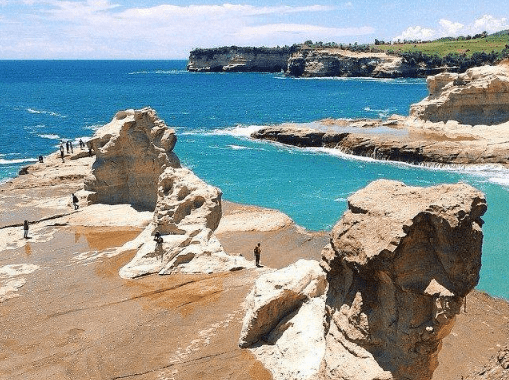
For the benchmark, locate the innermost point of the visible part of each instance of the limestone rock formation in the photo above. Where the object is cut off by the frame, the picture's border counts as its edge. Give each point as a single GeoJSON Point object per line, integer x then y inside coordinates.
{"type": "Point", "coordinates": [239, 59]}
{"type": "Point", "coordinates": [187, 213]}
{"type": "Point", "coordinates": [135, 164]}
{"type": "Point", "coordinates": [399, 263]}
{"type": "Point", "coordinates": [282, 320]}
{"type": "Point", "coordinates": [478, 96]}
{"type": "Point", "coordinates": [131, 153]}
{"type": "Point", "coordinates": [344, 63]}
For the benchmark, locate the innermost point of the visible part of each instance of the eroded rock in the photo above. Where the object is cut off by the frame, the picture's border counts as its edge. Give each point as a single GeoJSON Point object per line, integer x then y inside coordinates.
{"type": "Point", "coordinates": [281, 320]}
{"type": "Point", "coordinates": [478, 96]}
{"type": "Point", "coordinates": [131, 153]}
{"type": "Point", "coordinates": [187, 213]}
{"type": "Point", "coordinates": [398, 265]}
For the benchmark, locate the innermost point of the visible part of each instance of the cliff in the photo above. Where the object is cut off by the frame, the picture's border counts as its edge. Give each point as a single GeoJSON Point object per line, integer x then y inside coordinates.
{"type": "Point", "coordinates": [301, 61]}
{"type": "Point", "coordinates": [393, 280]}
{"type": "Point", "coordinates": [239, 59]}
{"type": "Point", "coordinates": [344, 63]}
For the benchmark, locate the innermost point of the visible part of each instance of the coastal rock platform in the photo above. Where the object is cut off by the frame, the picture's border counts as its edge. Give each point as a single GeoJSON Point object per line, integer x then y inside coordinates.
{"type": "Point", "coordinates": [67, 314]}
{"type": "Point", "coordinates": [460, 123]}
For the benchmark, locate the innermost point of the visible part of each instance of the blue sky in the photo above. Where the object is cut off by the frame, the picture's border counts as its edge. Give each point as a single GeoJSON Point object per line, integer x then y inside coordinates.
{"type": "Point", "coordinates": [165, 29]}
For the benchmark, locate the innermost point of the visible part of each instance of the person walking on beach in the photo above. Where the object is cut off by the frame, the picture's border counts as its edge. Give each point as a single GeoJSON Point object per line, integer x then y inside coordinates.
{"type": "Point", "coordinates": [67, 146]}
{"type": "Point", "coordinates": [70, 146]}
{"type": "Point", "coordinates": [25, 229]}
{"type": "Point", "coordinates": [82, 144]}
{"type": "Point", "coordinates": [75, 201]}
{"type": "Point", "coordinates": [257, 252]}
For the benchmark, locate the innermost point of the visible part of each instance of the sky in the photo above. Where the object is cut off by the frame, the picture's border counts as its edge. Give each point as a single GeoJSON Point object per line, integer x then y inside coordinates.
{"type": "Point", "coordinates": [165, 29]}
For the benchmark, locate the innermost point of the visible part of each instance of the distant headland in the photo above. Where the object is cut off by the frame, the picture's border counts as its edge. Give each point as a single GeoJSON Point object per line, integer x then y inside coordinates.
{"type": "Point", "coordinates": [407, 59]}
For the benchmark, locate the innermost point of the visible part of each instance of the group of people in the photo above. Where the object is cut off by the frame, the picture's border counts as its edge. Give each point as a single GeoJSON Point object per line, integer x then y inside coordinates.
{"type": "Point", "coordinates": [69, 147]}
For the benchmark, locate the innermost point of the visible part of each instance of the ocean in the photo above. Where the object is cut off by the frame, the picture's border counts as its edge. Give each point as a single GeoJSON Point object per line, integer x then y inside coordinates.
{"type": "Point", "coordinates": [214, 114]}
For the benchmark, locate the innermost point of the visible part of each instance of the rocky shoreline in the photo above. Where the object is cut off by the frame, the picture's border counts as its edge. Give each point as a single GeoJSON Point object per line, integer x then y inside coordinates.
{"type": "Point", "coordinates": [69, 314]}
{"type": "Point", "coordinates": [463, 121]}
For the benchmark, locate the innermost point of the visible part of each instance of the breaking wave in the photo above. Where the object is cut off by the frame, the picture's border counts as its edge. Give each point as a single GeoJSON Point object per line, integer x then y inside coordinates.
{"type": "Point", "coordinates": [16, 161]}
{"type": "Point", "coordinates": [43, 112]}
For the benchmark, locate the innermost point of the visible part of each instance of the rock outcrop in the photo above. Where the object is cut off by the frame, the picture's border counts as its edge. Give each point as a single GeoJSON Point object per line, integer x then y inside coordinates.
{"type": "Point", "coordinates": [135, 164]}
{"type": "Point", "coordinates": [478, 96]}
{"type": "Point", "coordinates": [239, 59]}
{"type": "Point", "coordinates": [396, 277]}
{"type": "Point", "coordinates": [131, 153]}
{"type": "Point", "coordinates": [344, 63]}
{"type": "Point", "coordinates": [187, 213]}
{"type": "Point", "coordinates": [464, 120]}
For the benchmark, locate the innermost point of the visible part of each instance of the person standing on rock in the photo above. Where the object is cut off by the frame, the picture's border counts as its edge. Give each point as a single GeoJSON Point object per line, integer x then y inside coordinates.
{"type": "Point", "coordinates": [62, 152]}
{"type": "Point", "coordinates": [257, 252]}
{"type": "Point", "coordinates": [159, 244]}
{"type": "Point", "coordinates": [75, 201]}
{"type": "Point", "coordinates": [25, 229]}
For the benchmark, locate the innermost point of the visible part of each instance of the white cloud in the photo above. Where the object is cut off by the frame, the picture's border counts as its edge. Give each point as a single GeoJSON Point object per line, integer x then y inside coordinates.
{"type": "Point", "coordinates": [447, 28]}
{"type": "Point", "coordinates": [104, 29]}
{"type": "Point", "coordinates": [490, 24]}
{"type": "Point", "coordinates": [416, 33]}
{"type": "Point", "coordinates": [450, 28]}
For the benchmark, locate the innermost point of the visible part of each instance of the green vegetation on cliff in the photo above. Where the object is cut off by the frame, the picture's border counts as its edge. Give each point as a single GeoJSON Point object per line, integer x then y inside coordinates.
{"type": "Point", "coordinates": [468, 46]}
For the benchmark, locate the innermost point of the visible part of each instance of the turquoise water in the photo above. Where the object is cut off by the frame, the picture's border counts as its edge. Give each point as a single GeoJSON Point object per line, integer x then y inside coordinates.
{"type": "Point", "coordinates": [45, 101]}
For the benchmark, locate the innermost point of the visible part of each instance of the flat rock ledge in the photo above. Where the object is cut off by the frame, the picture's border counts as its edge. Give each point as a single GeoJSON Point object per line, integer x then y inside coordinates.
{"type": "Point", "coordinates": [383, 297]}
{"type": "Point", "coordinates": [463, 121]}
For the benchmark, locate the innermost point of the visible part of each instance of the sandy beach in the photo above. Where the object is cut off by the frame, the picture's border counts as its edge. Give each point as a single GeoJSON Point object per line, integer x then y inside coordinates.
{"type": "Point", "coordinates": [66, 313]}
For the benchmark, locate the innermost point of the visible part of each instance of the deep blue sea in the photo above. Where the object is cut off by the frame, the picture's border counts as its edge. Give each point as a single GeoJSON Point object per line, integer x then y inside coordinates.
{"type": "Point", "coordinates": [213, 114]}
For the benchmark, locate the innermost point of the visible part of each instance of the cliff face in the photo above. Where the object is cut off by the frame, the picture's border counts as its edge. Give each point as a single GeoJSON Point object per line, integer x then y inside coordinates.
{"type": "Point", "coordinates": [298, 61]}
{"type": "Point", "coordinates": [343, 63]}
{"type": "Point", "coordinates": [237, 59]}
{"type": "Point", "coordinates": [478, 96]}
{"type": "Point", "coordinates": [391, 283]}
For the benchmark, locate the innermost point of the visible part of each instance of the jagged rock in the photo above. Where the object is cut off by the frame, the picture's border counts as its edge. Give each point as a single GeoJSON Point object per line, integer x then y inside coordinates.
{"type": "Point", "coordinates": [132, 151]}
{"type": "Point", "coordinates": [187, 212]}
{"type": "Point", "coordinates": [398, 265]}
{"type": "Point", "coordinates": [478, 96]}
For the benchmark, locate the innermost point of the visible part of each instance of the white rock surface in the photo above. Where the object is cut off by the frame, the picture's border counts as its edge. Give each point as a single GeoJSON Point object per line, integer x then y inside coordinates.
{"type": "Point", "coordinates": [284, 310]}
{"type": "Point", "coordinates": [187, 212]}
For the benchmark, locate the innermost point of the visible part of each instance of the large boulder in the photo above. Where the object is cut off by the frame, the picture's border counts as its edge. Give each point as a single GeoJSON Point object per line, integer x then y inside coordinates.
{"type": "Point", "coordinates": [478, 96]}
{"type": "Point", "coordinates": [284, 319]}
{"type": "Point", "coordinates": [131, 153]}
{"type": "Point", "coordinates": [399, 263]}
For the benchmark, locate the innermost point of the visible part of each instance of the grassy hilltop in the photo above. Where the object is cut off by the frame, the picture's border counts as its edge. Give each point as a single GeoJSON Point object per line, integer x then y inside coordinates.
{"type": "Point", "coordinates": [496, 42]}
